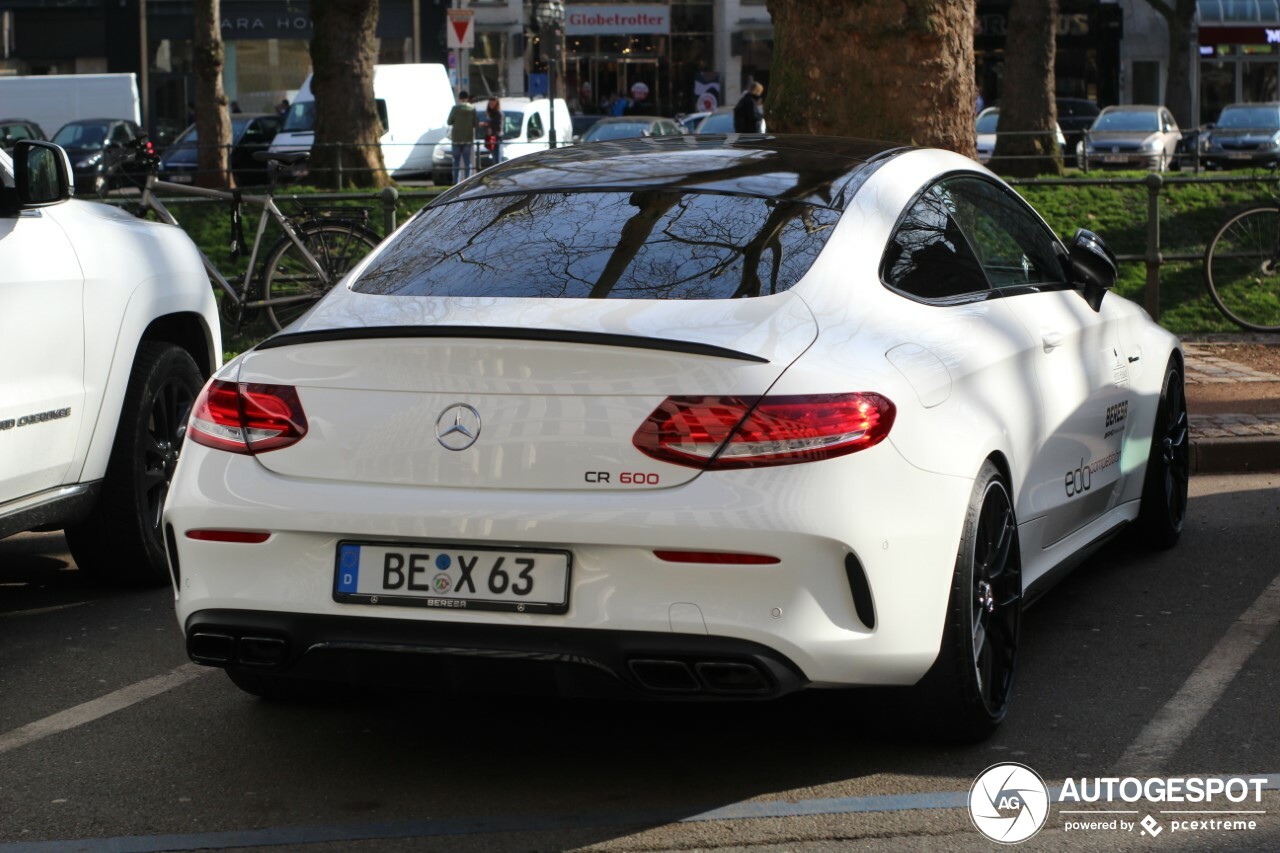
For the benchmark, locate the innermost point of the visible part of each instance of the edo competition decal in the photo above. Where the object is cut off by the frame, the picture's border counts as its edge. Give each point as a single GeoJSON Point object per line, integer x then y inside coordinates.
{"type": "Point", "coordinates": [37, 418]}
{"type": "Point", "coordinates": [1115, 418]}
{"type": "Point", "coordinates": [1080, 479]}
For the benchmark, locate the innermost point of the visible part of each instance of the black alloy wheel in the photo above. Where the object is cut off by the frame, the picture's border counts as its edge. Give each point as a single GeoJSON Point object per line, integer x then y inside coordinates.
{"type": "Point", "coordinates": [1164, 489]}
{"type": "Point", "coordinates": [122, 540]}
{"type": "Point", "coordinates": [965, 695]}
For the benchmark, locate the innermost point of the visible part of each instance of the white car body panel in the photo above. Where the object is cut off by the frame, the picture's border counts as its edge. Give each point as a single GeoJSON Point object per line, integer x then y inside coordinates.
{"type": "Point", "coordinates": [82, 284]}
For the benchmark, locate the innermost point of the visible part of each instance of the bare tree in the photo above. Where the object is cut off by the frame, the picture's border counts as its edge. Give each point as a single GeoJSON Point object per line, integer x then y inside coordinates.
{"type": "Point", "coordinates": [1026, 144]}
{"type": "Point", "coordinates": [899, 70]}
{"type": "Point", "coordinates": [213, 124]}
{"type": "Point", "coordinates": [1179, 16]}
{"type": "Point", "coordinates": [343, 52]}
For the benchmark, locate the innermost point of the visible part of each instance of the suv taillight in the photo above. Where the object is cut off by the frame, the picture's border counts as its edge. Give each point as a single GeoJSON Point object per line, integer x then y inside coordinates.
{"type": "Point", "coordinates": [246, 417]}
{"type": "Point", "coordinates": [719, 433]}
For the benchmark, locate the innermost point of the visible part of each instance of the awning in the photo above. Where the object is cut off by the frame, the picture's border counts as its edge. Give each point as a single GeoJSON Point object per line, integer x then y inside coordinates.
{"type": "Point", "coordinates": [1238, 12]}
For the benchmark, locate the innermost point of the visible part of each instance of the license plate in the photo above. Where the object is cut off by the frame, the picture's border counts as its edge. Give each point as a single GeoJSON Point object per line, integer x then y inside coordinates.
{"type": "Point", "coordinates": [1114, 158]}
{"type": "Point", "coordinates": [1239, 155]}
{"type": "Point", "coordinates": [181, 179]}
{"type": "Point", "coordinates": [452, 577]}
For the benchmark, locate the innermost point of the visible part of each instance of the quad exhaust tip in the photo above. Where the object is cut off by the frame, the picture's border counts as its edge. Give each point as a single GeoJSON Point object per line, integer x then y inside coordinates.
{"type": "Point", "coordinates": [217, 649]}
{"type": "Point", "coordinates": [678, 676]}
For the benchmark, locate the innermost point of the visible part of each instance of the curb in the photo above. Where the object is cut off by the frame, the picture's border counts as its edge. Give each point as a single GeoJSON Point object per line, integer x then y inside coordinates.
{"type": "Point", "coordinates": [1235, 455]}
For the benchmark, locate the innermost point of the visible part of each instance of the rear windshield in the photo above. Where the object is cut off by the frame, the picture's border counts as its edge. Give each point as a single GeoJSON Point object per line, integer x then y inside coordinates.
{"type": "Point", "coordinates": [603, 245]}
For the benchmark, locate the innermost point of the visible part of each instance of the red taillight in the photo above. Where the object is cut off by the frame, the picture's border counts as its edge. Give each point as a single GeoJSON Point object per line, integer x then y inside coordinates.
{"type": "Point", "coordinates": [719, 558]}
{"type": "Point", "coordinates": [246, 537]}
{"type": "Point", "coordinates": [717, 433]}
{"type": "Point", "coordinates": [247, 418]}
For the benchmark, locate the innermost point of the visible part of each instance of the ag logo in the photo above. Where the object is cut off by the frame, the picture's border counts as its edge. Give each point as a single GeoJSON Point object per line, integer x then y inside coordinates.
{"type": "Point", "coordinates": [1009, 803]}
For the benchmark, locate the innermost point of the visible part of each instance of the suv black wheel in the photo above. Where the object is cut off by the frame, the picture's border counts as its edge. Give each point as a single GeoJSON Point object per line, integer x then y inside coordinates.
{"type": "Point", "coordinates": [122, 541]}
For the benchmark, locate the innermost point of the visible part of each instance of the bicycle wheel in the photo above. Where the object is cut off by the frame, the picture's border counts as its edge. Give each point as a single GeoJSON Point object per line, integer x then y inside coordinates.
{"type": "Point", "coordinates": [1242, 269]}
{"type": "Point", "coordinates": [336, 246]}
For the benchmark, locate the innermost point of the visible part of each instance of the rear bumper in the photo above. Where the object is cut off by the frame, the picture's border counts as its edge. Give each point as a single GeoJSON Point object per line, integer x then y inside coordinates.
{"type": "Point", "coordinates": [560, 661]}
{"type": "Point", "coordinates": [858, 595]}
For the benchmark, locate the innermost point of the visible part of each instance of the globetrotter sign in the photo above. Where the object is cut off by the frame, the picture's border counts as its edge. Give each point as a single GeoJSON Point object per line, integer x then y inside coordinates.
{"type": "Point", "coordinates": [617, 20]}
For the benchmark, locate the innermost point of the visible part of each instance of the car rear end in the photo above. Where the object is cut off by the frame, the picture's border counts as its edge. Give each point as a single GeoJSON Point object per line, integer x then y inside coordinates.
{"type": "Point", "coordinates": [580, 475]}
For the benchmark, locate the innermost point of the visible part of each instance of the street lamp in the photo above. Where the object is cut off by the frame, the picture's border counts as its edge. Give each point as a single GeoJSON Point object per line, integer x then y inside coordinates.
{"type": "Point", "coordinates": [548, 23]}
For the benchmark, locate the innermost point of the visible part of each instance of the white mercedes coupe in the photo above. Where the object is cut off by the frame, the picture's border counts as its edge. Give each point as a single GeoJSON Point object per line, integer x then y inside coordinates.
{"type": "Point", "coordinates": [691, 418]}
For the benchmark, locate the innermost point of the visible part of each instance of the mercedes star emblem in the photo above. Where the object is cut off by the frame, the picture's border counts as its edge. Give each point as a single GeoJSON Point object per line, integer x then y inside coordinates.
{"type": "Point", "coordinates": [458, 427]}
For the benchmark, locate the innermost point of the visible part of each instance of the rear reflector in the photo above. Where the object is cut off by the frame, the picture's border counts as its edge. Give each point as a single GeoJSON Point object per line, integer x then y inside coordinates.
{"type": "Point", "coordinates": [247, 418]}
{"type": "Point", "coordinates": [718, 433]}
{"type": "Point", "coordinates": [247, 537]}
{"type": "Point", "coordinates": [716, 558]}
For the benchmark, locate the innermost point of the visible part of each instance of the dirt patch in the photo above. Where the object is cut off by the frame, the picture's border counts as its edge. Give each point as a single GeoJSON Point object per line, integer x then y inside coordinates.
{"type": "Point", "coordinates": [1255, 398]}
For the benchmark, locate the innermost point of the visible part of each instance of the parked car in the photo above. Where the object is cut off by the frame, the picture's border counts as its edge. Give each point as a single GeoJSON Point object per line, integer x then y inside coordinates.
{"type": "Point", "coordinates": [583, 123]}
{"type": "Point", "coordinates": [14, 129]}
{"type": "Point", "coordinates": [1131, 137]}
{"type": "Point", "coordinates": [1075, 116]}
{"type": "Point", "coordinates": [690, 121]}
{"type": "Point", "coordinates": [682, 417]}
{"type": "Point", "coordinates": [1243, 135]}
{"type": "Point", "coordinates": [412, 100]}
{"type": "Point", "coordinates": [628, 127]}
{"type": "Point", "coordinates": [108, 330]}
{"type": "Point", "coordinates": [94, 144]}
{"type": "Point", "coordinates": [986, 126]}
{"type": "Point", "coordinates": [250, 133]}
{"type": "Point", "coordinates": [526, 130]}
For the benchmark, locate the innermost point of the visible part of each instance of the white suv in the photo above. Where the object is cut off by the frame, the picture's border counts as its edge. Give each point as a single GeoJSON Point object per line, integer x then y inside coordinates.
{"type": "Point", "coordinates": [108, 329]}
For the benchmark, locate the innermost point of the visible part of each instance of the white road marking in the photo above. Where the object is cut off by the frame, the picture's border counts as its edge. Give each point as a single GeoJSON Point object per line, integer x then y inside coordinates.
{"type": "Point", "coordinates": [36, 611]}
{"type": "Point", "coordinates": [102, 706]}
{"type": "Point", "coordinates": [1175, 722]}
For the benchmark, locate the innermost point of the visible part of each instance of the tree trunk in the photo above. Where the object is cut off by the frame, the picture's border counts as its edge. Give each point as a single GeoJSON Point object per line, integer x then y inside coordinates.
{"type": "Point", "coordinates": [213, 124]}
{"type": "Point", "coordinates": [1026, 144]}
{"type": "Point", "coordinates": [343, 52]}
{"type": "Point", "coordinates": [1178, 18]}
{"type": "Point", "coordinates": [898, 70]}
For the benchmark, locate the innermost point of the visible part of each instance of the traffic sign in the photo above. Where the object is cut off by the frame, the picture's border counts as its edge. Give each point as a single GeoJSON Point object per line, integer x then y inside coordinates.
{"type": "Point", "coordinates": [461, 29]}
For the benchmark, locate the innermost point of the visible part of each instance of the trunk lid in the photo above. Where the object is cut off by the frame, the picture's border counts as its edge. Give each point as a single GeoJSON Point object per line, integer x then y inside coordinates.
{"type": "Point", "coordinates": [535, 395]}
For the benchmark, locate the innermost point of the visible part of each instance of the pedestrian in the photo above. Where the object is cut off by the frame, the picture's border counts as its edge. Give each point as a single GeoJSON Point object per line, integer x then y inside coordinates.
{"type": "Point", "coordinates": [748, 114]}
{"type": "Point", "coordinates": [462, 120]}
{"type": "Point", "coordinates": [493, 129]}
{"type": "Point", "coordinates": [282, 108]}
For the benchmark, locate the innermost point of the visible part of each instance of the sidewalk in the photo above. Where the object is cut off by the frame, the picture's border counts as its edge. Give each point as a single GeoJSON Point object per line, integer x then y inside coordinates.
{"type": "Point", "coordinates": [1234, 414]}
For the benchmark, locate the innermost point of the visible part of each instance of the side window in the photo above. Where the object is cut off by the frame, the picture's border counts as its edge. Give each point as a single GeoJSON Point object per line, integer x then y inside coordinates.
{"type": "Point", "coordinates": [535, 126]}
{"type": "Point", "coordinates": [119, 134]}
{"type": "Point", "coordinates": [929, 256]}
{"type": "Point", "coordinates": [1013, 247]}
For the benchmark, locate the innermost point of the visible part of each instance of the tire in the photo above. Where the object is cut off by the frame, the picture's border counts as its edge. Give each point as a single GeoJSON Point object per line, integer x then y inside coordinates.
{"type": "Point", "coordinates": [338, 246]}
{"type": "Point", "coordinates": [122, 540]}
{"type": "Point", "coordinates": [965, 695]}
{"type": "Point", "coordinates": [1163, 510]}
{"type": "Point", "coordinates": [1241, 269]}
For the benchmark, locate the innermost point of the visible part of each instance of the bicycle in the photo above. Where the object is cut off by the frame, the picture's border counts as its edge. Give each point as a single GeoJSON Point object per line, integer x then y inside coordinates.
{"type": "Point", "coordinates": [319, 246]}
{"type": "Point", "coordinates": [1242, 268]}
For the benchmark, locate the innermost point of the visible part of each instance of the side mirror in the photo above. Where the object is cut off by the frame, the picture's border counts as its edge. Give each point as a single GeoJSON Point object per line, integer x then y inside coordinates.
{"type": "Point", "coordinates": [42, 173]}
{"type": "Point", "coordinates": [1093, 265]}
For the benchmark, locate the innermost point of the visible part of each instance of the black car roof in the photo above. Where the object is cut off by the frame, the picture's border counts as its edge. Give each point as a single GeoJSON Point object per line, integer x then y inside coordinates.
{"type": "Point", "coordinates": [819, 170]}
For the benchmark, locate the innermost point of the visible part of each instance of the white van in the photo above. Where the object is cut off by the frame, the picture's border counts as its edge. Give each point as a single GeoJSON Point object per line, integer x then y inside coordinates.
{"type": "Point", "coordinates": [526, 129]}
{"type": "Point", "coordinates": [413, 101]}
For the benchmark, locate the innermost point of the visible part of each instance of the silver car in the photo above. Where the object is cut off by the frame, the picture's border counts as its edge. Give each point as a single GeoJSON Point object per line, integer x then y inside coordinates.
{"type": "Point", "coordinates": [1131, 137]}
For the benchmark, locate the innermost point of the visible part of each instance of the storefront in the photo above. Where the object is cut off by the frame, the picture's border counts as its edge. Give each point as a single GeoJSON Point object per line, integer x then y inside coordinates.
{"type": "Point", "coordinates": [1087, 58]}
{"type": "Point", "coordinates": [657, 58]}
{"type": "Point", "coordinates": [1239, 49]}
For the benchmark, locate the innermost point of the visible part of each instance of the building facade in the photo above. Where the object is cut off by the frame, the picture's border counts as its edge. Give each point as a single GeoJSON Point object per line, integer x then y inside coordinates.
{"type": "Point", "coordinates": [665, 57]}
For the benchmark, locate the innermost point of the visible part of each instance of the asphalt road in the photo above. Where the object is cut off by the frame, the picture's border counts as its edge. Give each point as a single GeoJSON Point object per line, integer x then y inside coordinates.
{"type": "Point", "coordinates": [1137, 665]}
